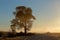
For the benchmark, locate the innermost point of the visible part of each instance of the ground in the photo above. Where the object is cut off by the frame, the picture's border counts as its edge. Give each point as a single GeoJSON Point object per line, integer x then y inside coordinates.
{"type": "Point", "coordinates": [29, 36]}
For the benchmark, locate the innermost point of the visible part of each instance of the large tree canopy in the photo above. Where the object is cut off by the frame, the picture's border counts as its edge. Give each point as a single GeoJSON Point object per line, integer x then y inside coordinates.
{"type": "Point", "coordinates": [23, 16]}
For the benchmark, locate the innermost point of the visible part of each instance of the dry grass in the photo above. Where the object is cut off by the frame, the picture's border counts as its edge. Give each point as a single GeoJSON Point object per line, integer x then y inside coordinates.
{"type": "Point", "coordinates": [29, 36]}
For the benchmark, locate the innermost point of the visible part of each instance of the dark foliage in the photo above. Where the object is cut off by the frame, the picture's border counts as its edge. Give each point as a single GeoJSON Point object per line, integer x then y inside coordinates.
{"type": "Point", "coordinates": [1, 34]}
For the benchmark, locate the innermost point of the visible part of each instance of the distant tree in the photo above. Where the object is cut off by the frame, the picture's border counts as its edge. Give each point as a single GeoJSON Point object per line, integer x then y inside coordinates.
{"type": "Point", "coordinates": [23, 19]}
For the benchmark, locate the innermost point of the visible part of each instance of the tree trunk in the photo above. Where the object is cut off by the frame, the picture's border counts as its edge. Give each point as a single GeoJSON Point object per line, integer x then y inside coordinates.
{"type": "Point", "coordinates": [25, 30]}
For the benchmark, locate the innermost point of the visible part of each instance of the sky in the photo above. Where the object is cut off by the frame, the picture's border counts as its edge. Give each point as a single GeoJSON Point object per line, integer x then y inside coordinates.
{"type": "Point", "coordinates": [47, 13]}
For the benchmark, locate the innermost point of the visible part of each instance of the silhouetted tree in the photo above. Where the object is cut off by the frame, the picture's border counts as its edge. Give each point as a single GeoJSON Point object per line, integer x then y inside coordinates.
{"type": "Point", "coordinates": [23, 19]}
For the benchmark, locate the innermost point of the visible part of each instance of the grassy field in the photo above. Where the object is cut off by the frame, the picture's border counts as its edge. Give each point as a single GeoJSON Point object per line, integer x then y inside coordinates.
{"type": "Point", "coordinates": [29, 36]}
